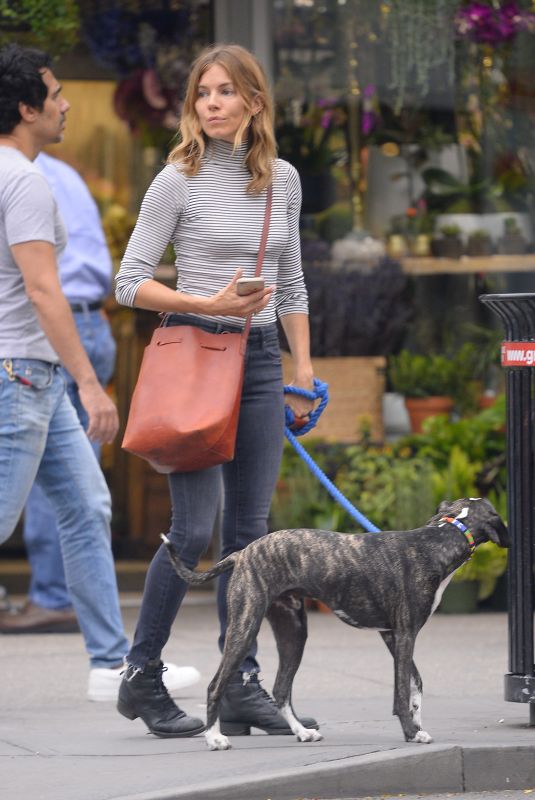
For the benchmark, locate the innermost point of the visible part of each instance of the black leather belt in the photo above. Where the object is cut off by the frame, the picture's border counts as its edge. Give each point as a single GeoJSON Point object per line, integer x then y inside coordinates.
{"type": "Point", "coordinates": [86, 306]}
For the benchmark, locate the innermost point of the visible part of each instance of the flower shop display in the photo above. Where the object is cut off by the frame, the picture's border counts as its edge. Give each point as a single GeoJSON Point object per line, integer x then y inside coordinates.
{"type": "Point", "coordinates": [149, 46]}
{"type": "Point", "coordinates": [493, 23]}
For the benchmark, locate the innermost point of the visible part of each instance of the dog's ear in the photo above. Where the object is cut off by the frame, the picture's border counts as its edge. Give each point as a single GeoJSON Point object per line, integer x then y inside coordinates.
{"type": "Point", "coordinates": [444, 507]}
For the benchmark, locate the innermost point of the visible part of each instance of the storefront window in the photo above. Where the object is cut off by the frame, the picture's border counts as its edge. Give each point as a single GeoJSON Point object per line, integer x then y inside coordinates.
{"type": "Point", "coordinates": [411, 121]}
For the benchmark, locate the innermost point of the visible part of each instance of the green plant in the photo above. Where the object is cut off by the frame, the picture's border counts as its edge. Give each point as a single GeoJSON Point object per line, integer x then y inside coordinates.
{"type": "Point", "coordinates": [309, 138]}
{"type": "Point", "coordinates": [335, 222]}
{"type": "Point", "coordinates": [479, 235]}
{"type": "Point", "coordinates": [470, 363]}
{"type": "Point", "coordinates": [299, 499]}
{"type": "Point", "coordinates": [487, 564]}
{"type": "Point", "coordinates": [446, 193]}
{"type": "Point", "coordinates": [481, 437]}
{"type": "Point", "coordinates": [53, 25]}
{"type": "Point", "coordinates": [511, 227]}
{"type": "Point", "coordinates": [450, 230]}
{"type": "Point", "coordinates": [418, 41]}
{"type": "Point", "coordinates": [394, 490]}
{"type": "Point", "coordinates": [416, 375]}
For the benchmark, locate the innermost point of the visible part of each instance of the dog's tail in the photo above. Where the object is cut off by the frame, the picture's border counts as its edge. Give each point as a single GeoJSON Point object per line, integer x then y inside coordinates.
{"type": "Point", "coordinates": [196, 578]}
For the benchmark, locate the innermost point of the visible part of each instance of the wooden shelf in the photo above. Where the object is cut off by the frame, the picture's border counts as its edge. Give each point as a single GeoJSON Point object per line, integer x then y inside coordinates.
{"type": "Point", "coordinates": [422, 265]}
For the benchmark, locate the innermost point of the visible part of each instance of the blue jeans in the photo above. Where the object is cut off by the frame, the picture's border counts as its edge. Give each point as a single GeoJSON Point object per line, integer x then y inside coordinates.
{"type": "Point", "coordinates": [248, 482]}
{"type": "Point", "coordinates": [41, 440]}
{"type": "Point", "coordinates": [48, 586]}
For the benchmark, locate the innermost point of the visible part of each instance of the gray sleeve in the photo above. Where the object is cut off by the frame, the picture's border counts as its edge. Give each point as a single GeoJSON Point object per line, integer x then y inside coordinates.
{"type": "Point", "coordinates": [29, 210]}
{"type": "Point", "coordinates": [162, 206]}
{"type": "Point", "coordinates": [291, 296]}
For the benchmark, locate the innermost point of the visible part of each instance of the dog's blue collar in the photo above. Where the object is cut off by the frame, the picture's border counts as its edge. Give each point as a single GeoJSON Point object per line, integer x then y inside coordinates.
{"type": "Point", "coordinates": [464, 530]}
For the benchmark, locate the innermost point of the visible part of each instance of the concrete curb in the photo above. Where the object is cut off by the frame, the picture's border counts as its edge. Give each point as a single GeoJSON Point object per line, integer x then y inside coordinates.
{"type": "Point", "coordinates": [434, 768]}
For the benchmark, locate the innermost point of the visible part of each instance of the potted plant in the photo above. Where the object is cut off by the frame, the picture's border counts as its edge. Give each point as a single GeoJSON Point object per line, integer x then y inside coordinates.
{"type": "Point", "coordinates": [307, 139]}
{"type": "Point", "coordinates": [449, 244]}
{"type": "Point", "coordinates": [478, 374]}
{"type": "Point", "coordinates": [512, 242]}
{"type": "Point", "coordinates": [479, 243]}
{"type": "Point", "coordinates": [425, 381]}
{"type": "Point", "coordinates": [475, 580]}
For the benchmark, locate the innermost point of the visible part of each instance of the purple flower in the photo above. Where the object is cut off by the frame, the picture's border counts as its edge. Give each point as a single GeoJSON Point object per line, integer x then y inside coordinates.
{"type": "Point", "coordinates": [326, 118]}
{"type": "Point", "coordinates": [368, 122]}
{"type": "Point", "coordinates": [487, 25]}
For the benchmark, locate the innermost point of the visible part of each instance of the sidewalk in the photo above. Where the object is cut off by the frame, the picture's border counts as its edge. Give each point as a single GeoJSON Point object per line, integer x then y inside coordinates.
{"type": "Point", "coordinates": [55, 745]}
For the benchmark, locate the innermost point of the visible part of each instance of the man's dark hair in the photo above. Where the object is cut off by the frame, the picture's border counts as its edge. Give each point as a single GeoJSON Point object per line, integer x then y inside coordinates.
{"type": "Point", "coordinates": [21, 81]}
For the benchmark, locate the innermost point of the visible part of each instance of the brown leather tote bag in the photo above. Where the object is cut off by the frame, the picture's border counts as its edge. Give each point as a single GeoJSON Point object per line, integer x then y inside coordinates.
{"type": "Point", "coordinates": [185, 406]}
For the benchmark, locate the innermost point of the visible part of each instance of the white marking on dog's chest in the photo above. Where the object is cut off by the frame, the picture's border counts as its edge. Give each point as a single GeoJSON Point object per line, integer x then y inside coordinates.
{"type": "Point", "coordinates": [440, 592]}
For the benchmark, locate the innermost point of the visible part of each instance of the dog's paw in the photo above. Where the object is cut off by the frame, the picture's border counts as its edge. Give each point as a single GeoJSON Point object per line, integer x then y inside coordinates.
{"type": "Point", "coordinates": [309, 735]}
{"type": "Point", "coordinates": [422, 737]}
{"type": "Point", "coordinates": [217, 741]}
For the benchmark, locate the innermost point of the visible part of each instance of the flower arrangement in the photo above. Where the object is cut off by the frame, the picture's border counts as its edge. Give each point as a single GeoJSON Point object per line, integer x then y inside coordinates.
{"type": "Point", "coordinates": [414, 221]}
{"type": "Point", "coordinates": [486, 23]}
{"type": "Point", "coordinates": [304, 132]}
{"type": "Point", "coordinates": [149, 46]}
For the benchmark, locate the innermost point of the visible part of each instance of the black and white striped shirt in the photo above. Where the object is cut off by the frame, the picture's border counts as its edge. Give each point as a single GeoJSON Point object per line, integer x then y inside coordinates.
{"type": "Point", "coordinates": [215, 227]}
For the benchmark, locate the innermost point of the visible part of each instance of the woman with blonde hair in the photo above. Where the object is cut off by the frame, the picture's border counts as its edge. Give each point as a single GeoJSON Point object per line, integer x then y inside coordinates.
{"type": "Point", "coordinates": [209, 202]}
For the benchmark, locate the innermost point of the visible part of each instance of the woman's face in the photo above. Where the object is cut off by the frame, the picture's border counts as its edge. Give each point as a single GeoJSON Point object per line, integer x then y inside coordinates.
{"type": "Point", "coordinates": [219, 106]}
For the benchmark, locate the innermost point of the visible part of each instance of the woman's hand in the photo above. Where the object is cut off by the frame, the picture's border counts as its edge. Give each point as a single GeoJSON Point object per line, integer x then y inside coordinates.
{"type": "Point", "coordinates": [300, 406]}
{"type": "Point", "coordinates": [228, 303]}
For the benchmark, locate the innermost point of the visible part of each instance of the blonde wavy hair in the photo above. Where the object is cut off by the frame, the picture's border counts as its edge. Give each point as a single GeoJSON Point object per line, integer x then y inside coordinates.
{"type": "Point", "coordinates": [249, 80]}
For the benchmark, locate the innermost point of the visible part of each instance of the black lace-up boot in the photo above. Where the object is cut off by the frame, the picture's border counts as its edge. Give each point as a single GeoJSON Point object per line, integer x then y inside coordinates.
{"type": "Point", "coordinates": [246, 705]}
{"type": "Point", "coordinates": [143, 694]}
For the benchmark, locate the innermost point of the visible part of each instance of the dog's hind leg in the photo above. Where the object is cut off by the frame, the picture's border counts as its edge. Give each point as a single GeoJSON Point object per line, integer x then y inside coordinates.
{"type": "Point", "coordinates": [406, 677]}
{"type": "Point", "coordinates": [244, 623]}
{"type": "Point", "coordinates": [287, 618]}
{"type": "Point", "coordinates": [416, 686]}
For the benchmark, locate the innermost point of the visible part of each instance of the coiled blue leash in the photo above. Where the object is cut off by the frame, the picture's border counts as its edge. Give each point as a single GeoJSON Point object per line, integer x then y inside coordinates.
{"type": "Point", "coordinates": [320, 393]}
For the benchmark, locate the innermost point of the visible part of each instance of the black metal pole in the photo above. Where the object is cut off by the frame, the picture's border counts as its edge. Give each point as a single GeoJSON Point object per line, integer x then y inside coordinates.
{"type": "Point", "coordinates": [517, 313]}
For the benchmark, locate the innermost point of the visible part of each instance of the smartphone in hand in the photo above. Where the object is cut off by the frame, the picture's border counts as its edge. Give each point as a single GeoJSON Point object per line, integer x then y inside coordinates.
{"type": "Point", "coordinates": [246, 286]}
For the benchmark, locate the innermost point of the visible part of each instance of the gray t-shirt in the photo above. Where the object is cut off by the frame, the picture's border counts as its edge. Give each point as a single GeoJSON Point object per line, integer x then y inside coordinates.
{"type": "Point", "coordinates": [28, 213]}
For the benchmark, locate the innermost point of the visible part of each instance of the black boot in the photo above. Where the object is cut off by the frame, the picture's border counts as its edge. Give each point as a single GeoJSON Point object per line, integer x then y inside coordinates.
{"type": "Point", "coordinates": [246, 705]}
{"type": "Point", "coordinates": [143, 694]}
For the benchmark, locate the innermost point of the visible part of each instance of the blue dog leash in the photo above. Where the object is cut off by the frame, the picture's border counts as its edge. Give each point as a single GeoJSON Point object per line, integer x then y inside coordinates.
{"type": "Point", "coordinates": [320, 393]}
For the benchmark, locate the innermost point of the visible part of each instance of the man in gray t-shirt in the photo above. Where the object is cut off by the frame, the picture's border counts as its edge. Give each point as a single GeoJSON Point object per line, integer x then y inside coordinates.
{"type": "Point", "coordinates": [41, 437]}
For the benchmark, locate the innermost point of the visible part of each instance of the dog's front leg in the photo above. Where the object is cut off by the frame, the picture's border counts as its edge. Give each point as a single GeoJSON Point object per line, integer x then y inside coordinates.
{"type": "Point", "coordinates": [287, 618]}
{"type": "Point", "coordinates": [407, 689]}
{"type": "Point", "coordinates": [302, 733]}
{"type": "Point", "coordinates": [215, 739]}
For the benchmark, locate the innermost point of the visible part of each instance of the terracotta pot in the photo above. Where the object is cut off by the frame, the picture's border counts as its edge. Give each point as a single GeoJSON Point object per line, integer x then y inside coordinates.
{"type": "Point", "coordinates": [419, 408]}
{"type": "Point", "coordinates": [486, 401]}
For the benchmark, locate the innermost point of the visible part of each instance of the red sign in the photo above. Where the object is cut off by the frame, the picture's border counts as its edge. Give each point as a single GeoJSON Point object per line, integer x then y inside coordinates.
{"type": "Point", "coordinates": [518, 354]}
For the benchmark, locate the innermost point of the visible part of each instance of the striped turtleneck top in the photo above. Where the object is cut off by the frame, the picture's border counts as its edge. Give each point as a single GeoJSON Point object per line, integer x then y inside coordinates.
{"type": "Point", "coordinates": [215, 228]}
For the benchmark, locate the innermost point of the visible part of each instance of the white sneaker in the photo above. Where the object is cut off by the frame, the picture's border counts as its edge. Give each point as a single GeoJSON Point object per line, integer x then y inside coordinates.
{"type": "Point", "coordinates": [104, 683]}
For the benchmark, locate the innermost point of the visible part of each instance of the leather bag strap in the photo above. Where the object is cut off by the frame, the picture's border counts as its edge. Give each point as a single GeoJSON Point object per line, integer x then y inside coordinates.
{"type": "Point", "coordinates": [260, 258]}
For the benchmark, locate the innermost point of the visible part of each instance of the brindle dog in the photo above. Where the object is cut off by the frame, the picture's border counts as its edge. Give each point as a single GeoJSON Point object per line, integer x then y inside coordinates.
{"type": "Point", "coordinates": [390, 581]}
